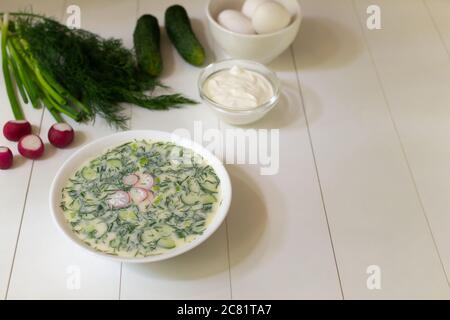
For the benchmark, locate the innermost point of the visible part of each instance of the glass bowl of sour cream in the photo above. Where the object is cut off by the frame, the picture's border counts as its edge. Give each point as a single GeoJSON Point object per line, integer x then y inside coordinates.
{"type": "Point", "coordinates": [239, 91]}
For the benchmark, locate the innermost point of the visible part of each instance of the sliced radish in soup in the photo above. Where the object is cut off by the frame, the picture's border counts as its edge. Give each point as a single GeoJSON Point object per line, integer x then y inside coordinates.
{"type": "Point", "coordinates": [130, 180]}
{"type": "Point", "coordinates": [145, 181]}
{"type": "Point", "coordinates": [119, 199]}
{"type": "Point", "coordinates": [138, 194]}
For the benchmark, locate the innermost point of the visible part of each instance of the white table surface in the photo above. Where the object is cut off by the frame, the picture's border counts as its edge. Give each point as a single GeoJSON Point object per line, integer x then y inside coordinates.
{"type": "Point", "coordinates": [364, 168]}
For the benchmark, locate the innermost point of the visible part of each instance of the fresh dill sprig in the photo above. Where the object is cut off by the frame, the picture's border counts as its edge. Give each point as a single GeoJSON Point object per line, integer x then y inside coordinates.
{"type": "Point", "coordinates": [78, 73]}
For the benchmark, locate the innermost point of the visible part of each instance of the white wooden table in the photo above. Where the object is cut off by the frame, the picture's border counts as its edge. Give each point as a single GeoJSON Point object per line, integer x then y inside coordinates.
{"type": "Point", "coordinates": [364, 175]}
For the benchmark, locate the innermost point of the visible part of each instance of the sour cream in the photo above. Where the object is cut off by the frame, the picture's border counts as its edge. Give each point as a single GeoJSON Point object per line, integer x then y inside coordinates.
{"type": "Point", "coordinates": [238, 88]}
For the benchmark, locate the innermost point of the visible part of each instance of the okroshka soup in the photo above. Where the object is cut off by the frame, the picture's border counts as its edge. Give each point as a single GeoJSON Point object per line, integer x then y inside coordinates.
{"type": "Point", "coordinates": [141, 198]}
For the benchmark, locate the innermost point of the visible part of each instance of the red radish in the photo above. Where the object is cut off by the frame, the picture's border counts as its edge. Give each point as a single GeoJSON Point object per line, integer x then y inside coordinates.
{"type": "Point", "coordinates": [130, 179]}
{"type": "Point", "coordinates": [138, 194]}
{"type": "Point", "coordinates": [61, 135]}
{"type": "Point", "coordinates": [119, 199]}
{"type": "Point", "coordinates": [150, 197]}
{"type": "Point", "coordinates": [31, 146]}
{"type": "Point", "coordinates": [6, 158]}
{"type": "Point", "coordinates": [146, 181]}
{"type": "Point", "coordinates": [13, 130]}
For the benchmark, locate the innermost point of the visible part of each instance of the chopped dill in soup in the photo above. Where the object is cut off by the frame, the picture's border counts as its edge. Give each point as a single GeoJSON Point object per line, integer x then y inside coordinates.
{"type": "Point", "coordinates": [141, 198]}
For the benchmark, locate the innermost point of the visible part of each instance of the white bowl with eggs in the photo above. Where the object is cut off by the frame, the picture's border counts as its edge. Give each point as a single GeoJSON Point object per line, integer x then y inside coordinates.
{"type": "Point", "coordinates": [258, 30]}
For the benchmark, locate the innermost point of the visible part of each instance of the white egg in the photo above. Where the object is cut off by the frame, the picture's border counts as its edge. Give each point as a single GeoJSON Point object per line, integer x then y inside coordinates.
{"type": "Point", "coordinates": [270, 17]}
{"type": "Point", "coordinates": [249, 6]}
{"type": "Point", "coordinates": [235, 21]}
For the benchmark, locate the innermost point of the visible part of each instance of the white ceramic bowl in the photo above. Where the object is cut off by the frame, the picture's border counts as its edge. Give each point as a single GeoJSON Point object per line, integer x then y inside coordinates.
{"type": "Point", "coordinates": [99, 146]}
{"type": "Point", "coordinates": [260, 47]}
{"type": "Point", "coordinates": [242, 116]}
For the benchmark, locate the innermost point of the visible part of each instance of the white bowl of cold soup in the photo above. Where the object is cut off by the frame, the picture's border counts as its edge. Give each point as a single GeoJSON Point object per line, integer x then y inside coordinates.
{"type": "Point", "coordinates": [140, 196]}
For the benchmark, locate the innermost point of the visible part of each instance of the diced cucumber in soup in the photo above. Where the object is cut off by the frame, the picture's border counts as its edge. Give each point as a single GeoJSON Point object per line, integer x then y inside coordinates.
{"type": "Point", "coordinates": [89, 173]}
{"type": "Point", "coordinates": [115, 164]}
{"type": "Point", "coordinates": [167, 243]}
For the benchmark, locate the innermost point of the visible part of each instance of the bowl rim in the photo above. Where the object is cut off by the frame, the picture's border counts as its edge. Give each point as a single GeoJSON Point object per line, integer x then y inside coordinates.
{"type": "Point", "coordinates": [111, 141]}
{"type": "Point", "coordinates": [294, 24]}
{"type": "Point", "coordinates": [275, 82]}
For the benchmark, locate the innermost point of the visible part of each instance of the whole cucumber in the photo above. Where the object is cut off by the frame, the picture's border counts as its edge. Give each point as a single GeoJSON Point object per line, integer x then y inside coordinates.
{"type": "Point", "coordinates": [179, 30]}
{"type": "Point", "coordinates": [147, 46]}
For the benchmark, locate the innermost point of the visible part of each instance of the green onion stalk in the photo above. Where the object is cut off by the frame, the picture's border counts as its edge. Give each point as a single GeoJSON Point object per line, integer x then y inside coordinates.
{"type": "Point", "coordinates": [16, 108]}
{"type": "Point", "coordinates": [33, 84]}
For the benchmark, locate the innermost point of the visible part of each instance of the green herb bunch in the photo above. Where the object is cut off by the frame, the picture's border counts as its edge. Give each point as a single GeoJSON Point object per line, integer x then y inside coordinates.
{"type": "Point", "coordinates": [74, 72]}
